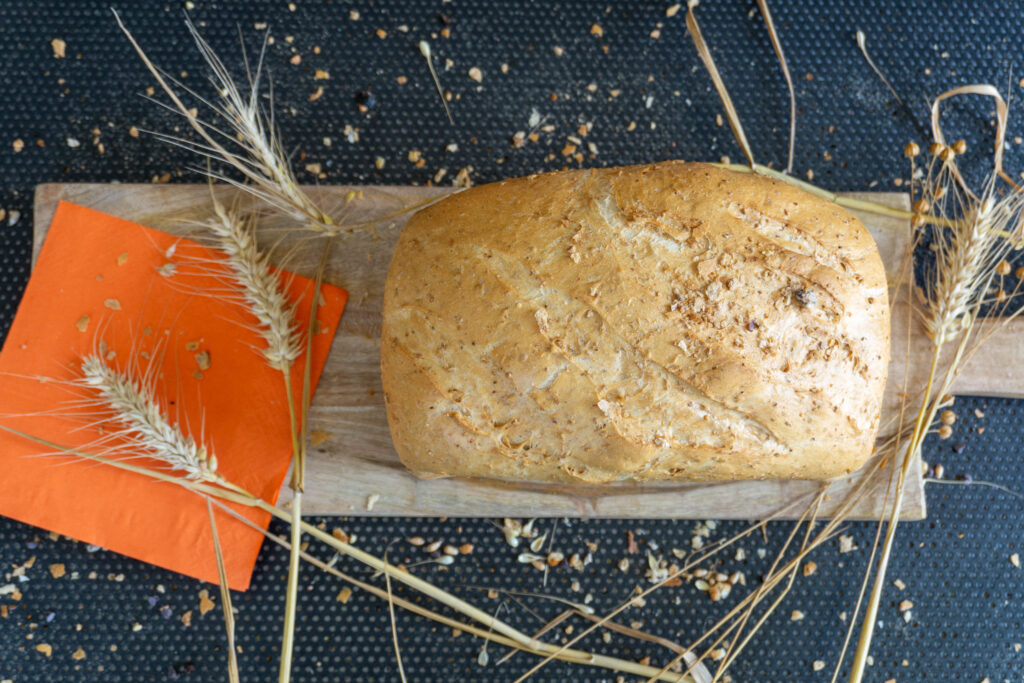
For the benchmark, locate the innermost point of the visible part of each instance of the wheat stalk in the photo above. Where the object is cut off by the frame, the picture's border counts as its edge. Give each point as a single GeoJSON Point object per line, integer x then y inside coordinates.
{"type": "Point", "coordinates": [265, 299]}
{"type": "Point", "coordinates": [505, 634]}
{"type": "Point", "coordinates": [966, 259]}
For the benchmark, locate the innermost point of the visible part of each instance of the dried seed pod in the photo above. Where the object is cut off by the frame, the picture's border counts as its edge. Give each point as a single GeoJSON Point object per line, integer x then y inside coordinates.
{"type": "Point", "coordinates": [432, 547]}
{"type": "Point", "coordinates": [555, 558]}
{"type": "Point", "coordinates": [466, 548]}
{"type": "Point", "coordinates": [416, 541]}
{"type": "Point", "coordinates": [445, 559]}
{"type": "Point", "coordinates": [527, 558]}
{"type": "Point", "coordinates": [911, 150]}
{"type": "Point", "coordinates": [701, 585]}
{"type": "Point", "coordinates": [960, 146]}
{"type": "Point", "coordinates": [450, 550]}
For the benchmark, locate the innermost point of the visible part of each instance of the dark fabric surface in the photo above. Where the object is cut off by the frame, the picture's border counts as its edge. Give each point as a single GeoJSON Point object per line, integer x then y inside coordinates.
{"type": "Point", "coordinates": [126, 616]}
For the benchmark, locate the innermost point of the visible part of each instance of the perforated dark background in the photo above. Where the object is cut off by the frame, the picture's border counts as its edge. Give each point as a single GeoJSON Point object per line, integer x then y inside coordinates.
{"type": "Point", "coordinates": [126, 616]}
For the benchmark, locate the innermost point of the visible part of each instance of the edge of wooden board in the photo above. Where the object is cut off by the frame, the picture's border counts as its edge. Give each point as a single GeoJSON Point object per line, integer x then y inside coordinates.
{"type": "Point", "coordinates": [331, 491]}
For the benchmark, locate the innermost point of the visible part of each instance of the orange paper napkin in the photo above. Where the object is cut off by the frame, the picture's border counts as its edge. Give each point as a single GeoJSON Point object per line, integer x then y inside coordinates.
{"type": "Point", "coordinates": [140, 296]}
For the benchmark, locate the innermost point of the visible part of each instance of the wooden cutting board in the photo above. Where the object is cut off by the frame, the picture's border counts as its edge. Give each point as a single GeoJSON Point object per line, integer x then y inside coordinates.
{"type": "Point", "coordinates": [356, 460]}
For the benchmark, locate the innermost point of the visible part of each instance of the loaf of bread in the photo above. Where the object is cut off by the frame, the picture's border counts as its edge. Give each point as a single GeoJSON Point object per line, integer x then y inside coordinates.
{"type": "Point", "coordinates": [673, 321]}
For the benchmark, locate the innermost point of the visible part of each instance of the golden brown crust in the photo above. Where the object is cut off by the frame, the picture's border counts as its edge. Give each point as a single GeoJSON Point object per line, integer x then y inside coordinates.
{"type": "Point", "coordinates": [669, 321]}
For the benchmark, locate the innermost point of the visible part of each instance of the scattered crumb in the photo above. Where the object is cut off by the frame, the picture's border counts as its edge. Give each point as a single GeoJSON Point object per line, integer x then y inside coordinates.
{"type": "Point", "coordinates": [59, 48]}
{"type": "Point", "coordinates": [846, 544]}
{"type": "Point", "coordinates": [1015, 560]}
{"type": "Point", "coordinates": [344, 594]}
{"type": "Point", "coordinates": [559, 51]}
{"type": "Point", "coordinates": [192, 346]}
{"type": "Point", "coordinates": [318, 437]}
{"type": "Point", "coordinates": [203, 359]}
{"type": "Point", "coordinates": [899, 584]}
{"type": "Point", "coordinates": [296, 59]}
{"type": "Point", "coordinates": [673, 10]}
{"type": "Point", "coordinates": [796, 615]}
{"type": "Point", "coordinates": [112, 304]}
{"type": "Point", "coordinates": [205, 603]}
{"type": "Point", "coordinates": [371, 500]}
{"type": "Point", "coordinates": [45, 648]}
{"type": "Point", "coordinates": [321, 75]}
{"type": "Point", "coordinates": [317, 94]}
{"type": "Point", "coordinates": [168, 269]}
{"type": "Point", "coordinates": [57, 570]}
{"type": "Point", "coordinates": [83, 323]}
{"type": "Point", "coordinates": [133, 132]}
{"type": "Point", "coordinates": [476, 74]}
{"type": "Point", "coordinates": [810, 568]}
{"type": "Point", "coordinates": [122, 258]}
{"type": "Point", "coordinates": [381, 33]}
{"type": "Point", "coordinates": [818, 665]}
{"type": "Point", "coordinates": [78, 654]}
{"type": "Point", "coordinates": [18, 145]}
{"type": "Point", "coordinates": [905, 605]}
{"type": "Point", "coordinates": [596, 30]}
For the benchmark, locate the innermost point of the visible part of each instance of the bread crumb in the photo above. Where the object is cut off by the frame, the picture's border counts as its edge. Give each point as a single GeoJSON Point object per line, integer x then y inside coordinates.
{"type": "Point", "coordinates": [818, 665]}
{"type": "Point", "coordinates": [133, 132]}
{"type": "Point", "coordinates": [203, 359]}
{"type": "Point", "coordinates": [122, 258]}
{"type": "Point", "coordinates": [112, 304]}
{"type": "Point", "coordinates": [57, 570]}
{"type": "Point", "coordinates": [344, 594]}
{"type": "Point", "coordinates": [1015, 560]}
{"type": "Point", "coordinates": [59, 48]}
{"type": "Point", "coordinates": [18, 145]}
{"type": "Point", "coordinates": [186, 618]}
{"type": "Point", "coordinates": [321, 75]}
{"type": "Point", "coordinates": [78, 654]}
{"type": "Point", "coordinates": [83, 323]}
{"type": "Point", "coordinates": [317, 94]}
{"type": "Point", "coordinates": [45, 648]}
{"type": "Point", "coordinates": [205, 603]}
{"type": "Point", "coordinates": [673, 10]}
{"type": "Point", "coordinates": [371, 500]}
{"type": "Point", "coordinates": [476, 74]}
{"type": "Point", "coordinates": [318, 437]}
{"type": "Point", "coordinates": [596, 30]}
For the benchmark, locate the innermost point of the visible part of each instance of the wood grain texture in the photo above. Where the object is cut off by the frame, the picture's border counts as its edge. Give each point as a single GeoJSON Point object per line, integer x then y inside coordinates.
{"type": "Point", "coordinates": [356, 460]}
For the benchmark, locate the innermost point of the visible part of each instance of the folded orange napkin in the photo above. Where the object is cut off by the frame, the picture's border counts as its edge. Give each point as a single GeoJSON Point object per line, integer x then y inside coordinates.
{"type": "Point", "coordinates": [138, 297]}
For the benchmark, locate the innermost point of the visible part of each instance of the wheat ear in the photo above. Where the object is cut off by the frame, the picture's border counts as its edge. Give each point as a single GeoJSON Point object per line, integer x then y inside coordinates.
{"type": "Point", "coordinates": [260, 286]}
{"type": "Point", "coordinates": [144, 424]}
{"type": "Point", "coordinates": [262, 160]}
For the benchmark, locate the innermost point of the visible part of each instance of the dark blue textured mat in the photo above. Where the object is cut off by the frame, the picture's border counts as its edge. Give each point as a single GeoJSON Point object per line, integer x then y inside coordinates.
{"type": "Point", "coordinates": [127, 617]}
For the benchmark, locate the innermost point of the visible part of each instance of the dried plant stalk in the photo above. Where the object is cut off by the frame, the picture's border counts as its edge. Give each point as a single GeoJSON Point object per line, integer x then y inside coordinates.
{"type": "Point", "coordinates": [985, 226]}
{"type": "Point", "coordinates": [505, 634]}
